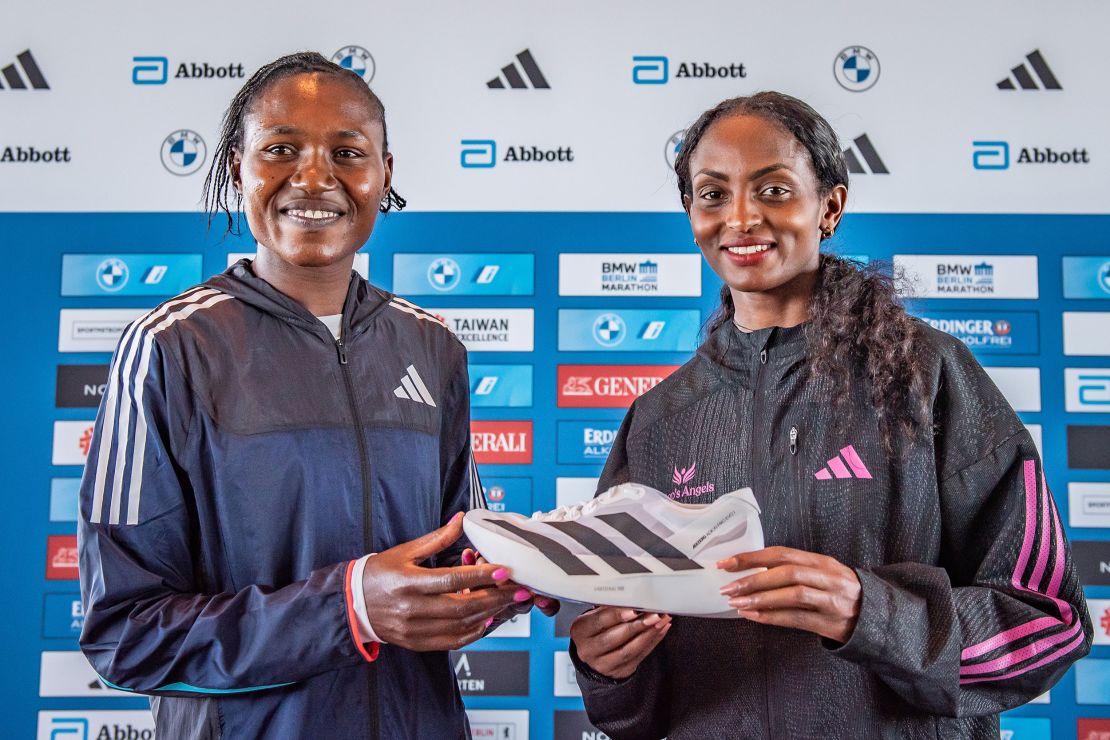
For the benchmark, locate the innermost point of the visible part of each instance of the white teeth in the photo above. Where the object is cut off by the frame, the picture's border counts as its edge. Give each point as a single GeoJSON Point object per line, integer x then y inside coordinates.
{"type": "Point", "coordinates": [312, 214]}
{"type": "Point", "coordinates": [749, 250]}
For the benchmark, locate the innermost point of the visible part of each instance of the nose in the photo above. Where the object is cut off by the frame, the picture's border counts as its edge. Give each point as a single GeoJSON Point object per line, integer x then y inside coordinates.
{"type": "Point", "coordinates": [314, 172]}
{"type": "Point", "coordinates": [743, 214]}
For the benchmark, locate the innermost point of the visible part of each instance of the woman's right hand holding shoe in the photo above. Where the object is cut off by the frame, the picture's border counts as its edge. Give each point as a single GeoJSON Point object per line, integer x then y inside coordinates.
{"type": "Point", "coordinates": [432, 608]}
{"type": "Point", "coordinates": [613, 641]}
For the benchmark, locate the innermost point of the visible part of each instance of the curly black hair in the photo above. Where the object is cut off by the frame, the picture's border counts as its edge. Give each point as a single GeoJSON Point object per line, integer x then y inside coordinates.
{"type": "Point", "coordinates": [218, 185]}
{"type": "Point", "coordinates": [857, 321]}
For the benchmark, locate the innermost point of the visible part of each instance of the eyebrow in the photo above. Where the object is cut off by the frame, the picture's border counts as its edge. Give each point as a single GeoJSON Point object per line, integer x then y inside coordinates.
{"type": "Point", "coordinates": [754, 176]}
{"type": "Point", "coordinates": [284, 129]}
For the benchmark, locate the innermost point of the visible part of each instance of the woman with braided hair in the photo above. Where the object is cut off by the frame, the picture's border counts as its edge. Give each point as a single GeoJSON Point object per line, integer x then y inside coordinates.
{"type": "Point", "coordinates": [270, 532]}
{"type": "Point", "coordinates": [916, 580]}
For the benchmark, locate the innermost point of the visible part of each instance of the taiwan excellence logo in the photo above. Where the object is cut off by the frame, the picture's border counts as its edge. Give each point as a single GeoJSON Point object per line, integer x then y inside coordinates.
{"type": "Point", "coordinates": [443, 274]}
{"type": "Point", "coordinates": [112, 274]}
{"type": "Point", "coordinates": [856, 68]}
{"type": "Point", "coordinates": [609, 330]}
{"type": "Point", "coordinates": [358, 60]}
{"type": "Point", "coordinates": [183, 152]}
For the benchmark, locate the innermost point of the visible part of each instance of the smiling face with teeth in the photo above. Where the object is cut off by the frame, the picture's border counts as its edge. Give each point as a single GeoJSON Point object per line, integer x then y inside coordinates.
{"type": "Point", "coordinates": [312, 170]}
{"type": "Point", "coordinates": [757, 215]}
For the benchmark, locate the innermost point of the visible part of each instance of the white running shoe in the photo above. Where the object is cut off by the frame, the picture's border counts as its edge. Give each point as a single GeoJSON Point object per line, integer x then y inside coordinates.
{"type": "Point", "coordinates": [632, 546]}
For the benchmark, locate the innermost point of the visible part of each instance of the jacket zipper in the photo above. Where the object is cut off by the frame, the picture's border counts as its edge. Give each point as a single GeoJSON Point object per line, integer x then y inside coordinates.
{"type": "Point", "coordinates": [367, 512]}
{"type": "Point", "coordinates": [762, 481]}
{"type": "Point", "coordinates": [798, 490]}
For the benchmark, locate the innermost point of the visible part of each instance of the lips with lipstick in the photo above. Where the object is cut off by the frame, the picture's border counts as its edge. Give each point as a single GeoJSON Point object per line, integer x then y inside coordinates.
{"type": "Point", "coordinates": [747, 251]}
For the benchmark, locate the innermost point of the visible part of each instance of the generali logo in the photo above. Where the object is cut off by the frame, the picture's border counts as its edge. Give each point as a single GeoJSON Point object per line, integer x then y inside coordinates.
{"type": "Point", "coordinates": [607, 386]}
{"type": "Point", "coordinates": [501, 442]}
{"type": "Point", "coordinates": [61, 557]}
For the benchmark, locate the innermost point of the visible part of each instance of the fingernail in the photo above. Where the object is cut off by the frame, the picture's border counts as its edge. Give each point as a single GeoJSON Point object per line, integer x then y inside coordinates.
{"type": "Point", "coordinates": [500, 575]}
{"type": "Point", "coordinates": [489, 621]}
{"type": "Point", "coordinates": [628, 615]}
{"type": "Point", "coordinates": [522, 594]}
{"type": "Point", "coordinates": [458, 516]}
{"type": "Point", "coordinates": [651, 619]}
{"type": "Point", "coordinates": [742, 602]}
{"type": "Point", "coordinates": [468, 557]}
{"type": "Point", "coordinates": [543, 602]}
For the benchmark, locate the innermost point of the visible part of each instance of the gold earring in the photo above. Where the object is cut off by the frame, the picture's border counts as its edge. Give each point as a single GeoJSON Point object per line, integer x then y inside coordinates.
{"type": "Point", "coordinates": [826, 232]}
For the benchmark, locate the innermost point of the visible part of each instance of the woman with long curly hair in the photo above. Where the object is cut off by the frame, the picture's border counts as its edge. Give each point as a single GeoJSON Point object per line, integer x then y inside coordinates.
{"type": "Point", "coordinates": [917, 581]}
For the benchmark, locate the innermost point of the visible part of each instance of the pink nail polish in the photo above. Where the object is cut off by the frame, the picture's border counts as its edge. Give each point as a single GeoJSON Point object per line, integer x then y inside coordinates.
{"type": "Point", "coordinates": [489, 621]}
{"type": "Point", "coordinates": [500, 575]}
{"type": "Point", "coordinates": [522, 594]}
{"type": "Point", "coordinates": [543, 601]}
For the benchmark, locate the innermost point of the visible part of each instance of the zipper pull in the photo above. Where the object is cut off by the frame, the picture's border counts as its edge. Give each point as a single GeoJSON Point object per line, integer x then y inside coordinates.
{"type": "Point", "coordinates": [342, 351]}
{"type": "Point", "coordinates": [793, 440]}
{"type": "Point", "coordinates": [763, 357]}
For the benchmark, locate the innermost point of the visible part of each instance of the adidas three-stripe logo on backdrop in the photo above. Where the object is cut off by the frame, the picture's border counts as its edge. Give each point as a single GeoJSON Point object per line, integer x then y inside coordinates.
{"type": "Point", "coordinates": [412, 387]}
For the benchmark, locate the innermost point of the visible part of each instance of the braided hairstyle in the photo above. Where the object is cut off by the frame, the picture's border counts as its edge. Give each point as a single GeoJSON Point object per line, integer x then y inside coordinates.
{"type": "Point", "coordinates": [218, 184]}
{"type": "Point", "coordinates": [856, 319]}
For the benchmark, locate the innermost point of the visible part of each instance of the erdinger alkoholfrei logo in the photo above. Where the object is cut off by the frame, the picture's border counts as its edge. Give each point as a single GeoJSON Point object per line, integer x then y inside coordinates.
{"type": "Point", "coordinates": [864, 147]}
{"type": "Point", "coordinates": [358, 60]}
{"type": "Point", "coordinates": [609, 330]}
{"type": "Point", "coordinates": [112, 274]}
{"type": "Point", "coordinates": [1023, 74]}
{"type": "Point", "coordinates": [856, 68]}
{"type": "Point", "coordinates": [681, 478]}
{"type": "Point", "coordinates": [32, 77]}
{"type": "Point", "coordinates": [184, 152]}
{"type": "Point", "coordinates": [443, 274]}
{"type": "Point", "coordinates": [511, 76]}
{"type": "Point", "coordinates": [674, 147]}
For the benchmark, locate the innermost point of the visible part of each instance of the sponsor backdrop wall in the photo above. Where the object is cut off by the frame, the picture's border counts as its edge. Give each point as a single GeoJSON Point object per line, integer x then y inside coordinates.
{"type": "Point", "coordinates": [534, 144]}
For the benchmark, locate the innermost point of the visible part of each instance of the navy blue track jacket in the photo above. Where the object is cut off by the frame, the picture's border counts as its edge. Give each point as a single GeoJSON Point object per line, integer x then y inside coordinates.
{"type": "Point", "coordinates": [242, 459]}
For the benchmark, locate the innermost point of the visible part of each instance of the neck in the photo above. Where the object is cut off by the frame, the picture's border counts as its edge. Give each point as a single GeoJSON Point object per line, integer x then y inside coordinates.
{"type": "Point", "coordinates": [321, 290]}
{"type": "Point", "coordinates": [785, 306]}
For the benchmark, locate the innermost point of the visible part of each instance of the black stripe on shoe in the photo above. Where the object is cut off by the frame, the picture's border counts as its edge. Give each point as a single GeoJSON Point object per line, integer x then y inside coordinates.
{"type": "Point", "coordinates": [651, 543]}
{"type": "Point", "coordinates": [601, 546]}
{"type": "Point", "coordinates": [550, 549]}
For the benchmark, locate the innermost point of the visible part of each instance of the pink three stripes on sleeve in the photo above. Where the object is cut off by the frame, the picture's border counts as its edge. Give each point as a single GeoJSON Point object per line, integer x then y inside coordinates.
{"type": "Point", "coordinates": [1045, 647]}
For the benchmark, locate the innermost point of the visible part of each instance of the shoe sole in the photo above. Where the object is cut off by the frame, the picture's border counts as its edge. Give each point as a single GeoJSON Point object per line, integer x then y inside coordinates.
{"type": "Point", "coordinates": [694, 593]}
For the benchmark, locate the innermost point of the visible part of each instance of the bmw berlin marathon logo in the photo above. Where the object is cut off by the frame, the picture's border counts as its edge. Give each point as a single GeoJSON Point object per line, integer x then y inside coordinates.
{"type": "Point", "coordinates": [183, 152]}
{"type": "Point", "coordinates": [856, 68]}
{"type": "Point", "coordinates": [358, 60]}
{"type": "Point", "coordinates": [112, 274]}
{"type": "Point", "coordinates": [609, 330]}
{"type": "Point", "coordinates": [443, 274]}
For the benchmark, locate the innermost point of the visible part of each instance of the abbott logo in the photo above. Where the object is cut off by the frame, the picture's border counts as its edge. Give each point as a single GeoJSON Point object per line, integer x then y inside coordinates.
{"type": "Point", "coordinates": [650, 70]}
{"type": "Point", "coordinates": [478, 153]}
{"type": "Point", "coordinates": [150, 70]}
{"type": "Point", "coordinates": [990, 155]}
{"type": "Point", "coordinates": [1088, 389]}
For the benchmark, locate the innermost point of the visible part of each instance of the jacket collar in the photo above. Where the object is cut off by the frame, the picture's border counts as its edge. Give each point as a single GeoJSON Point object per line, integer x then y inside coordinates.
{"type": "Point", "coordinates": [362, 303]}
{"type": "Point", "coordinates": [736, 352]}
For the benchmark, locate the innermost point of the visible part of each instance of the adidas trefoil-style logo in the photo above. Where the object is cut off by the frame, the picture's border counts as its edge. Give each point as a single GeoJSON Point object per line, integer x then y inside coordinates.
{"type": "Point", "coordinates": [865, 148]}
{"type": "Point", "coordinates": [845, 465]}
{"type": "Point", "coordinates": [31, 69]}
{"type": "Point", "coordinates": [1025, 80]}
{"type": "Point", "coordinates": [511, 73]}
{"type": "Point", "coordinates": [412, 387]}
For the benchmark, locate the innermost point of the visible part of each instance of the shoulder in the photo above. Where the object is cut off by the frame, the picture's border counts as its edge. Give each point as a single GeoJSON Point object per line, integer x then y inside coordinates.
{"type": "Point", "coordinates": [687, 385]}
{"type": "Point", "coordinates": [414, 322]}
{"type": "Point", "coordinates": [198, 309]}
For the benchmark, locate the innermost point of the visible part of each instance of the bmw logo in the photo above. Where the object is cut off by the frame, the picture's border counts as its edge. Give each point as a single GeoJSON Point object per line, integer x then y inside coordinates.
{"type": "Point", "coordinates": [356, 59]}
{"type": "Point", "coordinates": [183, 152]}
{"type": "Point", "coordinates": [673, 147]}
{"type": "Point", "coordinates": [856, 68]}
{"type": "Point", "coordinates": [1002, 327]}
{"type": "Point", "coordinates": [1104, 277]}
{"type": "Point", "coordinates": [443, 274]}
{"type": "Point", "coordinates": [609, 330]}
{"type": "Point", "coordinates": [111, 274]}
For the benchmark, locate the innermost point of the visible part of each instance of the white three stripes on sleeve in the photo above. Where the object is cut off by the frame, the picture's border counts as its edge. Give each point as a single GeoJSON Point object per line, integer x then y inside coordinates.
{"type": "Point", "coordinates": [125, 398]}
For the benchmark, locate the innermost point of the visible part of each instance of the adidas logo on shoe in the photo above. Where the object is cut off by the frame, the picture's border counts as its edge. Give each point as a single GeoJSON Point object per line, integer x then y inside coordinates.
{"type": "Point", "coordinates": [632, 546]}
{"type": "Point", "coordinates": [412, 387]}
{"type": "Point", "coordinates": [845, 465]}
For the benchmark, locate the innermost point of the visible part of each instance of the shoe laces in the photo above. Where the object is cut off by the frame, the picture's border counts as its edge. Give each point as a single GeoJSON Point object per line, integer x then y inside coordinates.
{"type": "Point", "coordinates": [586, 508]}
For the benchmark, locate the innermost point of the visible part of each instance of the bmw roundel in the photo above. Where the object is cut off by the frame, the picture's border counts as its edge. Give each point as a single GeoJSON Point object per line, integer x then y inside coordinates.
{"type": "Point", "coordinates": [856, 68]}
{"type": "Point", "coordinates": [609, 330]}
{"type": "Point", "coordinates": [356, 59]}
{"type": "Point", "coordinates": [111, 274]}
{"type": "Point", "coordinates": [443, 274]}
{"type": "Point", "coordinates": [1104, 277]}
{"type": "Point", "coordinates": [183, 152]}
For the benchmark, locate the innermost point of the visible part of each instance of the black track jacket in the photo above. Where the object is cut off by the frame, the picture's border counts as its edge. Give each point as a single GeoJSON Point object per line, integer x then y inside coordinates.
{"type": "Point", "coordinates": [970, 606]}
